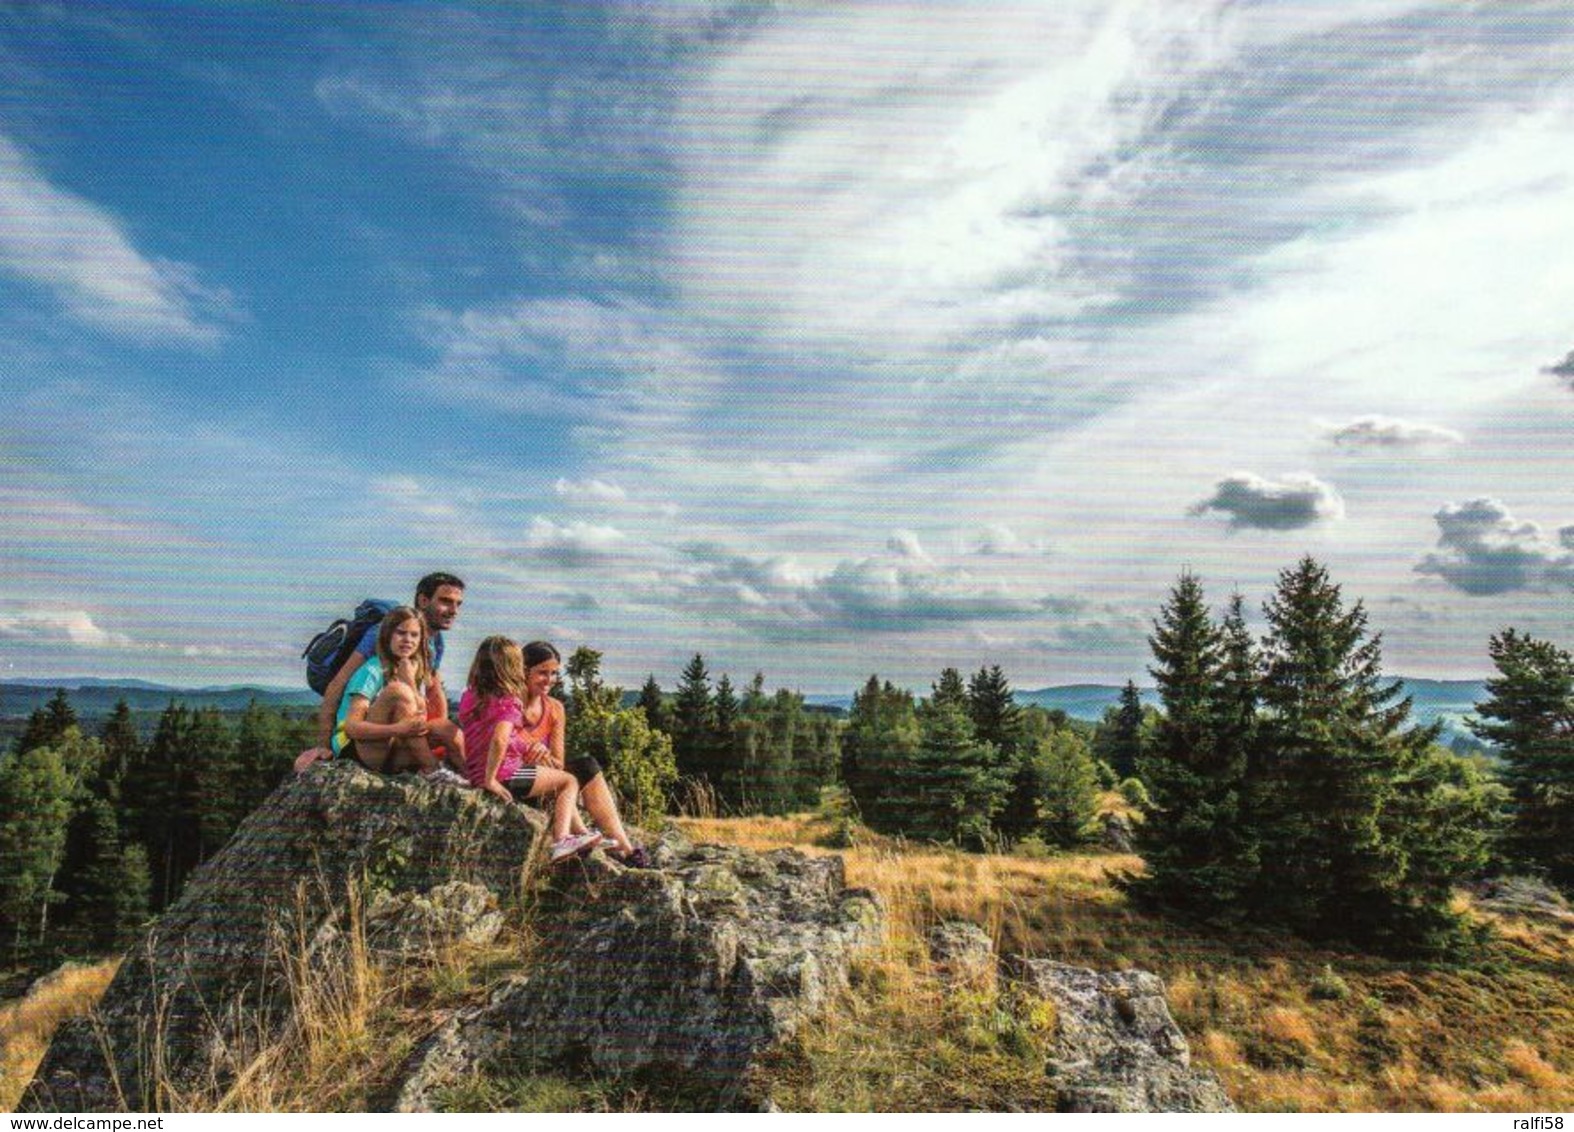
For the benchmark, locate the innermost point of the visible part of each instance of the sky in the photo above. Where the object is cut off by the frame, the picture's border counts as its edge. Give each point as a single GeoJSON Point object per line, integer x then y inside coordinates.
{"type": "Point", "coordinates": [821, 339]}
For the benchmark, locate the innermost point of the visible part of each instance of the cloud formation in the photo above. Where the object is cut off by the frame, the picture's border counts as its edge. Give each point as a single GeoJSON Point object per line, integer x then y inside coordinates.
{"type": "Point", "coordinates": [576, 544]}
{"type": "Point", "coordinates": [79, 253]}
{"type": "Point", "coordinates": [1388, 432]}
{"type": "Point", "coordinates": [73, 627]}
{"type": "Point", "coordinates": [589, 491]}
{"type": "Point", "coordinates": [1484, 550]}
{"type": "Point", "coordinates": [1289, 504]}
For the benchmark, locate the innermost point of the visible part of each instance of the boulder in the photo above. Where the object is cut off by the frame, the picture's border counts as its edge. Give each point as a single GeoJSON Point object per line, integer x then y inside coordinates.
{"type": "Point", "coordinates": [962, 950]}
{"type": "Point", "coordinates": [1116, 833]}
{"type": "Point", "coordinates": [692, 968]}
{"type": "Point", "coordinates": [210, 983]}
{"type": "Point", "coordinates": [1117, 1049]}
{"type": "Point", "coordinates": [688, 972]}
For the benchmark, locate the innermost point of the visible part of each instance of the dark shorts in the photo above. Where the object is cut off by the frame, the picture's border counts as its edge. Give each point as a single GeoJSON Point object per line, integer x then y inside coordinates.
{"type": "Point", "coordinates": [522, 783]}
{"type": "Point", "coordinates": [583, 769]}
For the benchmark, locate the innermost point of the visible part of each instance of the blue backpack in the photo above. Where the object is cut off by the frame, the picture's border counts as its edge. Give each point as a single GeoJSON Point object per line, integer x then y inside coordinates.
{"type": "Point", "coordinates": [332, 647]}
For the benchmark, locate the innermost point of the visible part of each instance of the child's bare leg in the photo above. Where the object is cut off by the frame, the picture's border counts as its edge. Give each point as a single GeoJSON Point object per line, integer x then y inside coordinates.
{"type": "Point", "coordinates": [564, 805]}
{"type": "Point", "coordinates": [398, 703]}
{"type": "Point", "coordinates": [446, 732]}
{"type": "Point", "coordinates": [598, 800]}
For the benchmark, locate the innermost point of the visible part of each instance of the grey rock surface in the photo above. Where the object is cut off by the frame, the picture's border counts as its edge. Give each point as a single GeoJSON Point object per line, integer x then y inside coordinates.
{"type": "Point", "coordinates": [1117, 1047]}
{"type": "Point", "coordinates": [963, 950]}
{"type": "Point", "coordinates": [1116, 833]}
{"type": "Point", "coordinates": [209, 983]}
{"type": "Point", "coordinates": [689, 971]}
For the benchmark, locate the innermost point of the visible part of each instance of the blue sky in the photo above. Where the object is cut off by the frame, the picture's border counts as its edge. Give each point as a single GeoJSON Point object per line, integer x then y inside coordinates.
{"type": "Point", "coordinates": [822, 339]}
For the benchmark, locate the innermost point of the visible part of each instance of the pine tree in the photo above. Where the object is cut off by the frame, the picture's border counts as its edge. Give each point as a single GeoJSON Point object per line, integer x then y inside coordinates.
{"type": "Point", "coordinates": [122, 751]}
{"type": "Point", "coordinates": [49, 723]}
{"type": "Point", "coordinates": [1529, 717]}
{"type": "Point", "coordinates": [1126, 738]}
{"type": "Point", "coordinates": [882, 735]}
{"type": "Point", "coordinates": [652, 704]}
{"type": "Point", "coordinates": [1066, 785]}
{"type": "Point", "coordinates": [950, 785]}
{"type": "Point", "coordinates": [105, 894]}
{"type": "Point", "coordinates": [1364, 825]}
{"type": "Point", "coordinates": [722, 765]}
{"type": "Point", "coordinates": [1191, 841]}
{"type": "Point", "coordinates": [949, 691]}
{"type": "Point", "coordinates": [213, 789]}
{"type": "Point", "coordinates": [263, 754]}
{"type": "Point", "coordinates": [691, 720]}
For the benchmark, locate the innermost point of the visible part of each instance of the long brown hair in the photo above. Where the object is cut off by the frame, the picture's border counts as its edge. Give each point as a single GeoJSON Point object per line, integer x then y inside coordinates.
{"type": "Point", "coordinates": [396, 617]}
{"type": "Point", "coordinates": [497, 670]}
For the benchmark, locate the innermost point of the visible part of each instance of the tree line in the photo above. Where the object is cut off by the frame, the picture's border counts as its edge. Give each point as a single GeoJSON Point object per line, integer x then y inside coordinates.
{"type": "Point", "coordinates": [102, 831]}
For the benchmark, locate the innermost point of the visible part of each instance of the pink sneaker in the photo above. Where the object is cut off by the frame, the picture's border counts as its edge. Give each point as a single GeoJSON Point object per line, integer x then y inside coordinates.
{"type": "Point", "coordinates": [573, 845]}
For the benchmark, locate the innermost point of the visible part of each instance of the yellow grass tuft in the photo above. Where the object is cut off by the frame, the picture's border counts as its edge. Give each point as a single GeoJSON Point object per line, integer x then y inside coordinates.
{"type": "Point", "coordinates": [27, 1025]}
{"type": "Point", "coordinates": [1525, 1062]}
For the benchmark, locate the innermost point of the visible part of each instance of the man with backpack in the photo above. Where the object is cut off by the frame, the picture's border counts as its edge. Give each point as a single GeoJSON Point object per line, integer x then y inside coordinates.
{"type": "Point", "coordinates": [438, 597]}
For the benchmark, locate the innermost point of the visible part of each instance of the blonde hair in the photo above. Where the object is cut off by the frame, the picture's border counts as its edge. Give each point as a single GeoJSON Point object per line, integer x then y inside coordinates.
{"type": "Point", "coordinates": [497, 670]}
{"type": "Point", "coordinates": [395, 618]}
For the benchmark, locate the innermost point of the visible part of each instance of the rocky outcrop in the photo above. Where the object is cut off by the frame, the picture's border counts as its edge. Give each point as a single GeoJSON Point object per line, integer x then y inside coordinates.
{"type": "Point", "coordinates": [691, 971]}
{"type": "Point", "coordinates": [694, 967]}
{"type": "Point", "coordinates": [1117, 1049]}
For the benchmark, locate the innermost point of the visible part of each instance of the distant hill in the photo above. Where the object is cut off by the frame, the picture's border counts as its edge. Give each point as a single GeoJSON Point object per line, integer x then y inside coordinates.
{"type": "Point", "coordinates": [93, 699]}
{"type": "Point", "coordinates": [1447, 700]}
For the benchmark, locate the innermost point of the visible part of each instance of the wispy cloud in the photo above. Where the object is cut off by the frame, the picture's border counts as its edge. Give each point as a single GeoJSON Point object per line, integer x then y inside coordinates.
{"type": "Point", "coordinates": [1387, 432]}
{"type": "Point", "coordinates": [1289, 504]}
{"type": "Point", "coordinates": [590, 491]}
{"type": "Point", "coordinates": [574, 544]}
{"type": "Point", "coordinates": [80, 254]}
{"type": "Point", "coordinates": [1484, 550]}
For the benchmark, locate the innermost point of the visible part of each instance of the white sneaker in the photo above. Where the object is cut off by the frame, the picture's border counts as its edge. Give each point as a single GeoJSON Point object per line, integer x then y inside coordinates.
{"type": "Point", "coordinates": [445, 775]}
{"type": "Point", "coordinates": [573, 845]}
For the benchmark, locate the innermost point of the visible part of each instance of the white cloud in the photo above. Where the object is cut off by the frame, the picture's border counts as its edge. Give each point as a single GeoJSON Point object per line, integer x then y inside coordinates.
{"type": "Point", "coordinates": [1387, 432]}
{"type": "Point", "coordinates": [1273, 505]}
{"type": "Point", "coordinates": [590, 491]}
{"type": "Point", "coordinates": [1484, 550]}
{"type": "Point", "coordinates": [576, 544]}
{"type": "Point", "coordinates": [82, 255]}
{"type": "Point", "coordinates": [55, 627]}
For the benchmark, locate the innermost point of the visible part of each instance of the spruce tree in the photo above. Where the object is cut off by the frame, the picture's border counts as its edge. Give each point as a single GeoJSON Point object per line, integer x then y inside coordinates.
{"type": "Point", "coordinates": [722, 766]}
{"type": "Point", "coordinates": [49, 723]}
{"type": "Point", "coordinates": [263, 755]}
{"type": "Point", "coordinates": [950, 785]}
{"type": "Point", "coordinates": [1066, 784]}
{"type": "Point", "coordinates": [1363, 824]}
{"type": "Point", "coordinates": [949, 691]}
{"type": "Point", "coordinates": [882, 735]}
{"type": "Point", "coordinates": [1529, 717]}
{"type": "Point", "coordinates": [1125, 750]}
{"type": "Point", "coordinates": [652, 704]}
{"type": "Point", "coordinates": [122, 751]}
{"type": "Point", "coordinates": [1190, 842]}
{"type": "Point", "coordinates": [691, 720]}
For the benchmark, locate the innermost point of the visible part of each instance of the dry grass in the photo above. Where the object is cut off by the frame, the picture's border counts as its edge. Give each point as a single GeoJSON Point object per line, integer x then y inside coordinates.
{"type": "Point", "coordinates": [27, 1024]}
{"type": "Point", "coordinates": [1496, 1036]}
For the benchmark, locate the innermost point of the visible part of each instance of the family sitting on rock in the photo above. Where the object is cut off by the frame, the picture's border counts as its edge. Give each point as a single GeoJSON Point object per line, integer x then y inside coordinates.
{"type": "Point", "coordinates": [385, 707]}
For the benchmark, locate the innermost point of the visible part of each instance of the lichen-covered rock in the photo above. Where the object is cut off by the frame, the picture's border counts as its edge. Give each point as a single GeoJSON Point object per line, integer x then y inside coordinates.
{"type": "Point", "coordinates": [414, 923]}
{"type": "Point", "coordinates": [690, 970]}
{"type": "Point", "coordinates": [210, 982]}
{"type": "Point", "coordinates": [963, 950]}
{"type": "Point", "coordinates": [1116, 833]}
{"type": "Point", "coordinates": [1117, 1048]}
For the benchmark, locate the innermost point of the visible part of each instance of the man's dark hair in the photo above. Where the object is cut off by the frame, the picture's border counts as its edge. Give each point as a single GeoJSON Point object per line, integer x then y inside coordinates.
{"type": "Point", "coordinates": [427, 586]}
